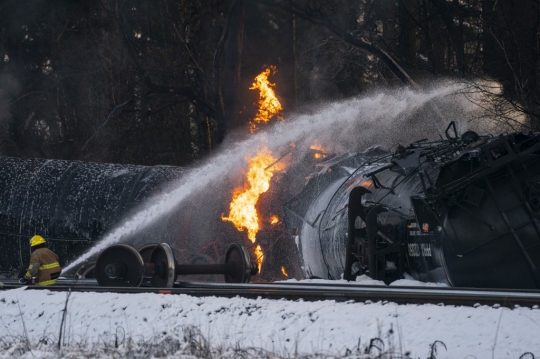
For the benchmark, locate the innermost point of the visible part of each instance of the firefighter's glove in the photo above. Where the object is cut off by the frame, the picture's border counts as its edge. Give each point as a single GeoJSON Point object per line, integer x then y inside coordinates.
{"type": "Point", "coordinates": [23, 280]}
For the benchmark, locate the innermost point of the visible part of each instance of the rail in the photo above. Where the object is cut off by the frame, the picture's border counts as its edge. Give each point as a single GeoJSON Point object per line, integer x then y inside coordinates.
{"type": "Point", "coordinates": [316, 291]}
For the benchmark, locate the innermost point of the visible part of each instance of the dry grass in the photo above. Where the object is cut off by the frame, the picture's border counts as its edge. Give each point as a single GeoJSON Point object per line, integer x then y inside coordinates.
{"type": "Point", "coordinates": [184, 343]}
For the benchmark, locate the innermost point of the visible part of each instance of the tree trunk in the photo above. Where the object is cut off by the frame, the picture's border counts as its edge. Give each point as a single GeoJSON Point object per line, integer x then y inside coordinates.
{"type": "Point", "coordinates": [407, 31]}
{"type": "Point", "coordinates": [232, 68]}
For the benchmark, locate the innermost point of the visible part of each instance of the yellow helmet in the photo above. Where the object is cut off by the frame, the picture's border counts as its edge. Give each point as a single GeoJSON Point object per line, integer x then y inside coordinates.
{"type": "Point", "coordinates": [36, 240]}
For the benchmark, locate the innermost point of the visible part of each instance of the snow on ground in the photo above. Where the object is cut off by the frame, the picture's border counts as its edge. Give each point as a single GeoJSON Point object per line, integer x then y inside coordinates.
{"type": "Point", "coordinates": [280, 326]}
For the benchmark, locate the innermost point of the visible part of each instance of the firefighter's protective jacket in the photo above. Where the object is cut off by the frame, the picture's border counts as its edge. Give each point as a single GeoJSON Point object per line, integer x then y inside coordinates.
{"type": "Point", "coordinates": [44, 266]}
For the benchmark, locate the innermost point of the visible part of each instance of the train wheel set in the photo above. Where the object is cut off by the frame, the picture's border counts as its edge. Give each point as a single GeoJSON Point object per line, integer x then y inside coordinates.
{"type": "Point", "coordinates": [154, 265]}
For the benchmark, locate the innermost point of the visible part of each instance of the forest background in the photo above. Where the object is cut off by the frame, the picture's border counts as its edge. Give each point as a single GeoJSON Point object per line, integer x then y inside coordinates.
{"type": "Point", "coordinates": [164, 81]}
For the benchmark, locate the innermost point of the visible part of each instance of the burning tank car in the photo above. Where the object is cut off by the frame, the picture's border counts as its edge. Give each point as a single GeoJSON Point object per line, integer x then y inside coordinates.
{"type": "Point", "coordinates": [462, 210]}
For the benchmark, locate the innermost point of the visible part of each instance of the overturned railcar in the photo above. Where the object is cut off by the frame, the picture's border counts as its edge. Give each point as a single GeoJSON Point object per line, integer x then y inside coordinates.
{"type": "Point", "coordinates": [71, 203]}
{"type": "Point", "coordinates": [462, 210]}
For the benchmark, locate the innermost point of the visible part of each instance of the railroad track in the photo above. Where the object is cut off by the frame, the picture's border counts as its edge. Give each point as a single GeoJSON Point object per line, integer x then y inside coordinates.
{"type": "Point", "coordinates": [317, 291]}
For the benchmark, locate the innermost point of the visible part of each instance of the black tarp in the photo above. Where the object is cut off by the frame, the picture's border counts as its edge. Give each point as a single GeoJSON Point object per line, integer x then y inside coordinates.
{"type": "Point", "coordinates": [70, 203]}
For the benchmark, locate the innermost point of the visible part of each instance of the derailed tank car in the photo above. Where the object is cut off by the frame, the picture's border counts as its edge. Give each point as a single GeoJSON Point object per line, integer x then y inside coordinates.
{"type": "Point", "coordinates": [462, 211]}
{"type": "Point", "coordinates": [71, 203]}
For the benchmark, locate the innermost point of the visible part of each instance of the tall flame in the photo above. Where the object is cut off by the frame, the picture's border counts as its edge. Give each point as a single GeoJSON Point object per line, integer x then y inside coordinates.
{"type": "Point", "coordinates": [242, 210]}
{"type": "Point", "coordinates": [260, 256]}
{"type": "Point", "coordinates": [269, 105]}
{"type": "Point", "coordinates": [243, 213]}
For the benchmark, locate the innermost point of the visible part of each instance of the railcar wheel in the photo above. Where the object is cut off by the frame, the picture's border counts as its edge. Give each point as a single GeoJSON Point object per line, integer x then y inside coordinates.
{"type": "Point", "coordinates": [119, 265]}
{"type": "Point", "coordinates": [162, 257]}
{"type": "Point", "coordinates": [146, 251]}
{"type": "Point", "coordinates": [238, 256]}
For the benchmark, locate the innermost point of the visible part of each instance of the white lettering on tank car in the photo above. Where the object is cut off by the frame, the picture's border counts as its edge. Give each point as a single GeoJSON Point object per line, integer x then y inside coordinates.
{"type": "Point", "coordinates": [418, 234]}
{"type": "Point", "coordinates": [415, 249]}
{"type": "Point", "coordinates": [426, 249]}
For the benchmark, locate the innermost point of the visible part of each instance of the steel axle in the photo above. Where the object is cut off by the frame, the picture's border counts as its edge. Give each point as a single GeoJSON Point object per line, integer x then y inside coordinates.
{"type": "Point", "coordinates": [122, 266]}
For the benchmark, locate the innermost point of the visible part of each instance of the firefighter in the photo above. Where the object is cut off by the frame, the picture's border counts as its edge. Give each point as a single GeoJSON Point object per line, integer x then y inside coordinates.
{"type": "Point", "coordinates": [44, 268]}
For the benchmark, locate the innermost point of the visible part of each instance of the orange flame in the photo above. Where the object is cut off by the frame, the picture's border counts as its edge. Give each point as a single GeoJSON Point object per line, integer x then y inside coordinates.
{"type": "Point", "coordinates": [274, 219]}
{"type": "Point", "coordinates": [284, 272]}
{"type": "Point", "coordinates": [366, 183]}
{"type": "Point", "coordinates": [315, 146]}
{"type": "Point", "coordinates": [269, 105]}
{"type": "Point", "coordinates": [260, 256]}
{"type": "Point", "coordinates": [319, 151]}
{"type": "Point", "coordinates": [242, 210]}
{"type": "Point", "coordinates": [243, 213]}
